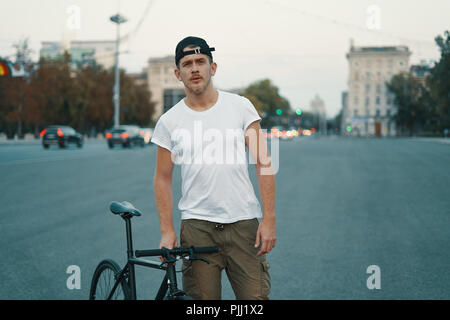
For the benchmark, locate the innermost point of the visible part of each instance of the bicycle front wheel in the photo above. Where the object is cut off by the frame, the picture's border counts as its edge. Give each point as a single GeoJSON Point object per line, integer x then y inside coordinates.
{"type": "Point", "coordinates": [103, 282]}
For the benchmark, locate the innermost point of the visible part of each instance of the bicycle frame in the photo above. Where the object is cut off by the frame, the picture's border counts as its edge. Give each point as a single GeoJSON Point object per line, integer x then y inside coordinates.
{"type": "Point", "coordinates": [169, 282]}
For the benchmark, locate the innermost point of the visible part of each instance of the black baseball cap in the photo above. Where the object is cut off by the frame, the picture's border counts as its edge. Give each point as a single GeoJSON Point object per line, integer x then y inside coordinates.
{"type": "Point", "coordinates": [192, 41]}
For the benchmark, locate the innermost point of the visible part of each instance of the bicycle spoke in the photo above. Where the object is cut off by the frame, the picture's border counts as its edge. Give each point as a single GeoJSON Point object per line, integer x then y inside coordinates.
{"type": "Point", "coordinates": [104, 280]}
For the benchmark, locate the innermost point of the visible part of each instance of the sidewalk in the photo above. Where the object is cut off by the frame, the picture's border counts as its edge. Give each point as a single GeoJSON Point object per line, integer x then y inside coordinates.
{"type": "Point", "coordinates": [438, 140]}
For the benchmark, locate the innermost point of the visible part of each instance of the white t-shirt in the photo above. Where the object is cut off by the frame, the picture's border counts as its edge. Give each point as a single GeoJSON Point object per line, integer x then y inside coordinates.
{"type": "Point", "coordinates": [210, 147]}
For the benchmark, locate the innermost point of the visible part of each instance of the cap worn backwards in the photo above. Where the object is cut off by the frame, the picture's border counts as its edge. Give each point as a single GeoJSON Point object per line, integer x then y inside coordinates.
{"type": "Point", "coordinates": [192, 41]}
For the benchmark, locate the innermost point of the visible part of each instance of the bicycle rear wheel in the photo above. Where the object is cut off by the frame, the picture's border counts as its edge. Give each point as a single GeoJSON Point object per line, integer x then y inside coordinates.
{"type": "Point", "coordinates": [103, 282]}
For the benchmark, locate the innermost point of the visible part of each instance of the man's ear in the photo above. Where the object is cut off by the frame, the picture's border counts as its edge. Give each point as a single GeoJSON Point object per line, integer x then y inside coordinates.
{"type": "Point", "coordinates": [177, 74]}
{"type": "Point", "coordinates": [213, 68]}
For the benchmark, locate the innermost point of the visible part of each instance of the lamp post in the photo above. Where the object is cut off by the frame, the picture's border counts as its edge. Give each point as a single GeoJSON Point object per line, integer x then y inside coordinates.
{"type": "Point", "coordinates": [118, 19]}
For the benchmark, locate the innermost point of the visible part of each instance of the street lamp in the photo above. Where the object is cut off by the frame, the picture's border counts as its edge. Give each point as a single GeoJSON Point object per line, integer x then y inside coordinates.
{"type": "Point", "coordinates": [118, 19]}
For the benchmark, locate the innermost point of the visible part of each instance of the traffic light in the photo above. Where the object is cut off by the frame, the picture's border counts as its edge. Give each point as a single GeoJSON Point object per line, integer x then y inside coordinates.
{"type": "Point", "coordinates": [298, 112]}
{"type": "Point", "coordinates": [349, 129]}
{"type": "Point", "coordinates": [279, 112]}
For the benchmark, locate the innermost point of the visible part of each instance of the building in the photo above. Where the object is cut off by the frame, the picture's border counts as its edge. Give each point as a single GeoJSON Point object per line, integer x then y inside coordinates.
{"type": "Point", "coordinates": [81, 52]}
{"type": "Point", "coordinates": [165, 88]}
{"type": "Point", "coordinates": [344, 112]}
{"type": "Point", "coordinates": [421, 71]}
{"type": "Point", "coordinates": [369, 105]}
{"type": "Point", "coordinates": [317, 106]}
{"type": "Point", "coordinates": [139, 79]}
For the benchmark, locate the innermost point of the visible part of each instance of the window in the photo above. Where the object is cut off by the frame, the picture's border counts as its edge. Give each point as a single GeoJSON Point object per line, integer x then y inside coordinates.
{"type": "Point", "coordinates": [378, 89]}
{"type": "Point", "coordinates": [355, 113]}
{"type": "Point", "coordinates": [378, 112]}
{"type": "Point", "coordinates": [367, 102]}
{"type": "Point", "coordinates": [367, 88]}
{"type": "Point", "coordinates": [368, 76]}
{"type": "Point", "coordinates": [377, 100]}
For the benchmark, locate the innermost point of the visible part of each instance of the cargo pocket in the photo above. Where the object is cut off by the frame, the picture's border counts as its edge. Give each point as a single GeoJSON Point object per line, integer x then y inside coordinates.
{"type": "Point", "coordinates": [265, 280]}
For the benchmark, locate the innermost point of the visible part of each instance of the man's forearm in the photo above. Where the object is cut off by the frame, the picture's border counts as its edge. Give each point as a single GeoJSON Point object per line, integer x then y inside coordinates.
{"type": "Point", "coordinates": [163, 199]}
{"type": "Point", "coordinates": [266, 184]}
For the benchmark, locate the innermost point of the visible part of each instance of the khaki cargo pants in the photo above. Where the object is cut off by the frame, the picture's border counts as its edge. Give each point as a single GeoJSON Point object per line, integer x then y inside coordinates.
{"type": "Point", "coordinates": [248, 274]}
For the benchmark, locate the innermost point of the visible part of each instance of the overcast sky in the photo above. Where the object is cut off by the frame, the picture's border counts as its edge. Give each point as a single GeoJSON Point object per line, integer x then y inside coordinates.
{"type": "Point", "coordinates": [299, 45]}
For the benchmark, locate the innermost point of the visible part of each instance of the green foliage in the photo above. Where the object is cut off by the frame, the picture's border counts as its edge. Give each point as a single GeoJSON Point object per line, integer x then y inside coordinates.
{"type": "Point", "coordinates": [54, 93]}
{"type": "Point", "coordinates": [413, 102]}
{"type": "Point", "coordinates": [424, 109]}
{"type": "Point", "coordinates": [439, 82]}
{"type": "Point", "coordinates": [266, 99]}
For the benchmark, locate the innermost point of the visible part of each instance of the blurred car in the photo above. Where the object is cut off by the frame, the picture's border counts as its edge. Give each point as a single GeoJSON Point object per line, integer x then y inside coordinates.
{"type": "Point", "coordinates": [147, 134]}
{"type": "Point", "coordinates": [125, 135]}
{"type": "Point", "coordinates": [62, 136]}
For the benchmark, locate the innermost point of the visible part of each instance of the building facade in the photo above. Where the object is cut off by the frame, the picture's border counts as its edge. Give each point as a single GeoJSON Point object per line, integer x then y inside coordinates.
{"type": "Point", "coordinates": [317, 106]}
{"type": "Point", "coordinates": [421, 71]}
{"type": "Point", "coordinates": [369, 107]}
{"type": "Point", "coordinates": [81, 52]}
{"type": "Point", "coordinates": [165, 88]}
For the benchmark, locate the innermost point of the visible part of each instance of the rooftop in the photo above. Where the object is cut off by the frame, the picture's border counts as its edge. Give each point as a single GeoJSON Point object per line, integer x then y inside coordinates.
{"type": "Point", "coordinates": [383, 49]}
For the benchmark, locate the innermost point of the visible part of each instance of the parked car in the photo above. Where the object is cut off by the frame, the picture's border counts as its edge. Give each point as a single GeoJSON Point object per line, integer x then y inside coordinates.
{"type": "Point", "coordinates": [148, 133]}
{"type": "Point", "coordinates": [125, 135]}
{"type": "Point", "coordinates": [62, 136]}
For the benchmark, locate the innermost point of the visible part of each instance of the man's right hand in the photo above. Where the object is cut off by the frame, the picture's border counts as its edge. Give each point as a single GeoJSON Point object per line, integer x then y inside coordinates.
{"type": "Point", "coordinates": [168, 240]}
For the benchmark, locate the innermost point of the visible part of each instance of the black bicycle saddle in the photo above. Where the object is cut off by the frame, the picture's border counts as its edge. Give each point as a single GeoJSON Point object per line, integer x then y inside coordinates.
{"type": "Point", "coordinates": [124, 208]}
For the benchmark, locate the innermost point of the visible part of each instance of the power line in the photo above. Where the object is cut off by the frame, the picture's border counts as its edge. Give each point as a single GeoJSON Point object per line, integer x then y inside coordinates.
{"type": "Point", "coordinates": [131, 34]}
{"type": "Point", "coordinates": [349, 25]}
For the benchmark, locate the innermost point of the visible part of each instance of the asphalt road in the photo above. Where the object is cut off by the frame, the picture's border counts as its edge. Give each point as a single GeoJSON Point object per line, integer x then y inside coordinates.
{"type": "Point", "coordinates": [342, 204]}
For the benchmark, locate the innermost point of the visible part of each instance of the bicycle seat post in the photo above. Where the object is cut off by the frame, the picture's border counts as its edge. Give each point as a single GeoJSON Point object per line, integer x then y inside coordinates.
{"type": "Point", "coordinates": [130, 254]}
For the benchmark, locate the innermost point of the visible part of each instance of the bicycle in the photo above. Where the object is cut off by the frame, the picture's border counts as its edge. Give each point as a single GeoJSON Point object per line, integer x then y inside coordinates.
{"type": "Point", "coordinates": [111, 282]}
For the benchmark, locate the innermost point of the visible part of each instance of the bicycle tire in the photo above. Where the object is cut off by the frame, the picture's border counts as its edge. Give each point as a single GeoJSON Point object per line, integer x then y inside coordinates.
{"type": "Point", "coordinates": [103, 281]}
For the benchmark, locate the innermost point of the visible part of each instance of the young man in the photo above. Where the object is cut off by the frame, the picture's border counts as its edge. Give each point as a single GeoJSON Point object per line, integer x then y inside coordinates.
{"type": "Point", "coordinates": [206, 133]}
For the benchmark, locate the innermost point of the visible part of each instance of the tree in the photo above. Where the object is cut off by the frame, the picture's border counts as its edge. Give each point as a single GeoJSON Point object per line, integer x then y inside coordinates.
{"type": "Point", "coordinates": [413, 102]}
{"type": "Point", "coordinates": [13, 96]}
{"type": "Point", "coordinates": [266, 99]}
{"type": "Point", "coordinates": [55, 93]}
{"type": "Point", "coordinates": [439, 82]}
{"type": "Point", "coordinates": [136, 107]}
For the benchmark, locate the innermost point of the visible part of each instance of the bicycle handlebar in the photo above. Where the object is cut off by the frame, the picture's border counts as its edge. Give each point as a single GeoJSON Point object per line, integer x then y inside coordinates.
{"type": "Point", "coordinates": [175, 251]}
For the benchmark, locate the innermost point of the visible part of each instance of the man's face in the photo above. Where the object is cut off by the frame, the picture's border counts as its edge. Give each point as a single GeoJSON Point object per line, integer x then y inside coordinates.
{"type": "Point", "coordinates": [195, 71]}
